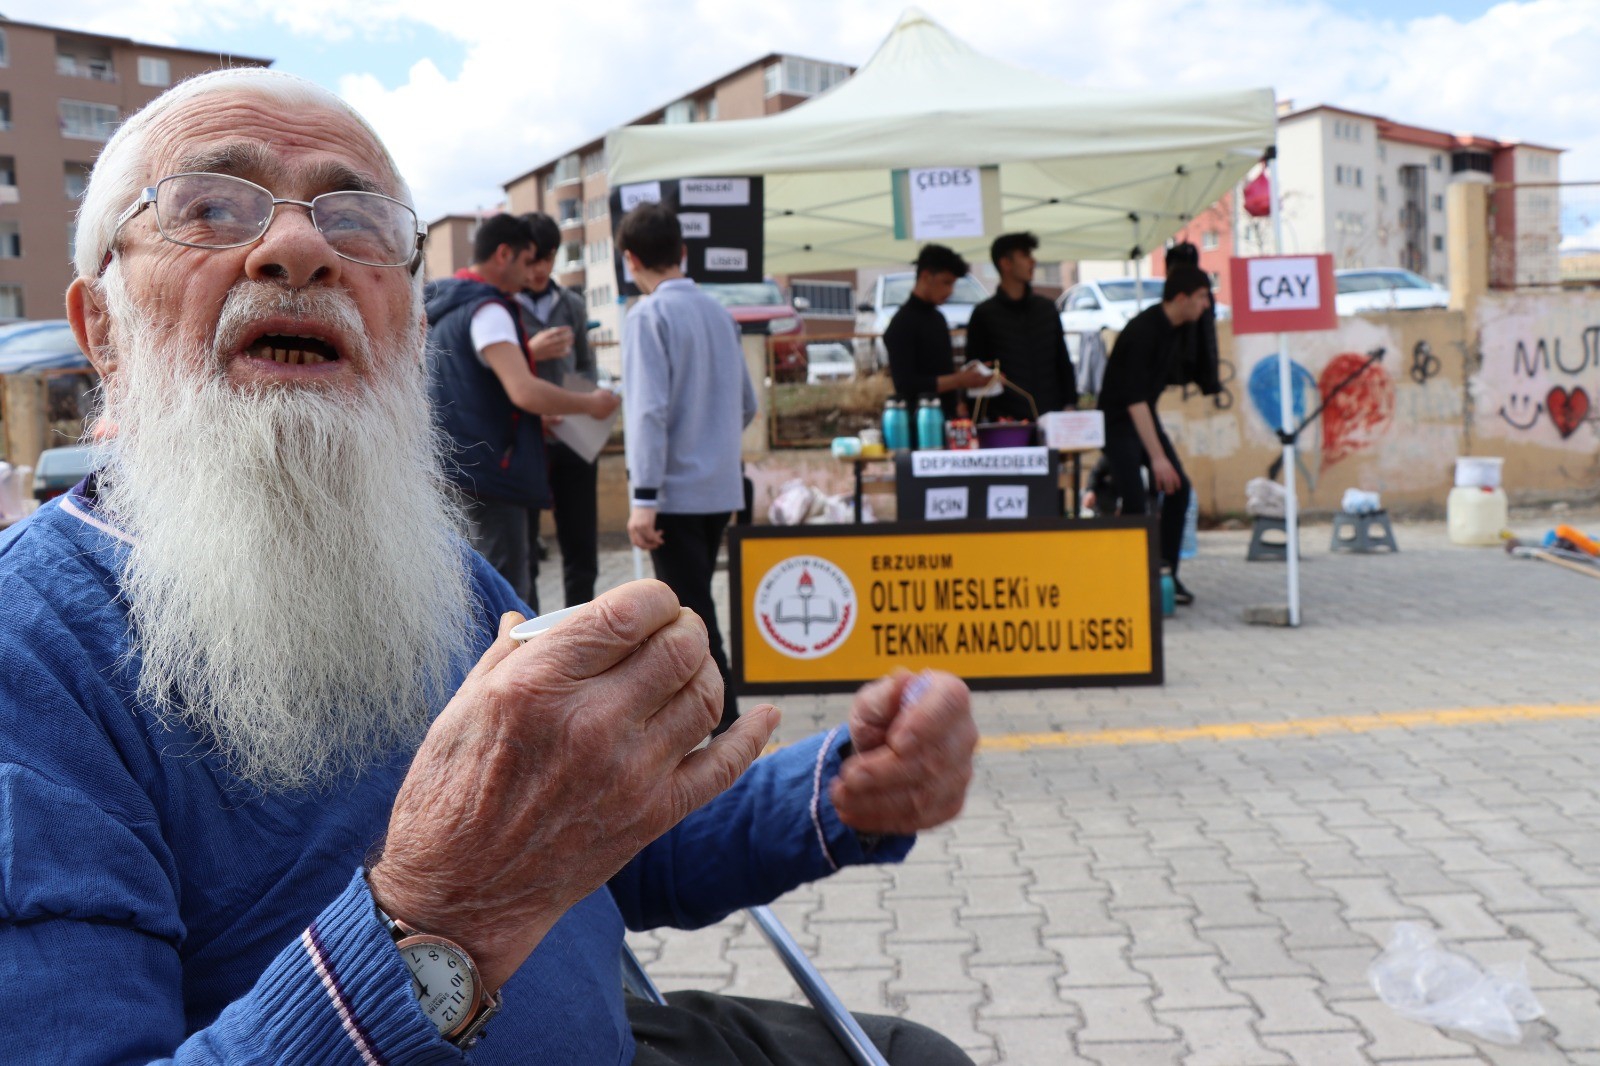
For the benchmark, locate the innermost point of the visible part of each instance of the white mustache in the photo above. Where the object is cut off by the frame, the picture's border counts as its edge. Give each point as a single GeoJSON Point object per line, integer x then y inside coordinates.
{"type": "Point", "coordinates": [250, 302]}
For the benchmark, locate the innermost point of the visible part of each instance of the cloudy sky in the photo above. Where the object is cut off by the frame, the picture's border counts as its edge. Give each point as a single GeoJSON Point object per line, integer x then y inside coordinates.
{"type": "Point", "coordinates": [471, 93]}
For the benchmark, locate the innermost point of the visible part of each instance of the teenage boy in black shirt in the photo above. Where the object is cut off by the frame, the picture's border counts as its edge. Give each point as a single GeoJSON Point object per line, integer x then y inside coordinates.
{"type": "Point", "coordinates": [1020, 332]}
{"type": "Point", "coordinates": [1136, 373]}
{"type": "Point", "coordinates": [921, 359]}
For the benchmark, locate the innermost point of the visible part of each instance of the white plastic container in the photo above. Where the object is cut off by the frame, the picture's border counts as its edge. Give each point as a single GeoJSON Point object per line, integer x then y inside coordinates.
{"type": "Point", "coordinates": [1476, 515]}
{"type": "Point", "coordinates": [1478, 471]}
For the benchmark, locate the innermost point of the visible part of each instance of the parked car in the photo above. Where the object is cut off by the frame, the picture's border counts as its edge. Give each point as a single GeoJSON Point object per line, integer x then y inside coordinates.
{"type": "Point", "coordinates": [890, 292]}
{"type": "Point", "coordinates": [829, 361]}
{"type": "Point", "coordinates": [58, 469]}
{"type": "Point", "coordinates": [1386, 289]}
{"type": "Point", "coordinates": [44, 345]}
{"type": "Point", "coordinates": [1109, 303]}
{"type": "Point", "coordinates": [760, 308]}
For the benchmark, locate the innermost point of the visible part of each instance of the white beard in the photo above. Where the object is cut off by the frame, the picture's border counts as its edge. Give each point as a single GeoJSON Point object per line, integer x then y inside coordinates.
{"type": "Point", "coordinates": [296, 589]}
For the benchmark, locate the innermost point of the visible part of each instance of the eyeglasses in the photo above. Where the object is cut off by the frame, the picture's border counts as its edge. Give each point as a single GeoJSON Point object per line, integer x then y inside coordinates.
{"type": "Point", "coordinates": [217, 211]}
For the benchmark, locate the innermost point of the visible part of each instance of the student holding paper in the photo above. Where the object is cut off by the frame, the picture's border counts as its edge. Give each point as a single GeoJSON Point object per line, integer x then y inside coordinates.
{"type": "Point", "coordinates": [556, 322]}
{"type": "Point", "coordinates": [489, 402]}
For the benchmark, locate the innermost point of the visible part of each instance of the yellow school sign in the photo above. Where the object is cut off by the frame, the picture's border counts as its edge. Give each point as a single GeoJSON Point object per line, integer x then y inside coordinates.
{"type": "Point", "coordinates": [1020, 604]}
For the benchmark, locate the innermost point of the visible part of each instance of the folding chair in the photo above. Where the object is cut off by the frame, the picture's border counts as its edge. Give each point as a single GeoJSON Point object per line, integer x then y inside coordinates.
{"type": "Point", "coordinates": [839, 1021]}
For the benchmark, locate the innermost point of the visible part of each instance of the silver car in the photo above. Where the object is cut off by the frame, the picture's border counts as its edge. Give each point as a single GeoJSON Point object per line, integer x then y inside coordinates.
{"type": "Point", "coordinates": [1385, 289]}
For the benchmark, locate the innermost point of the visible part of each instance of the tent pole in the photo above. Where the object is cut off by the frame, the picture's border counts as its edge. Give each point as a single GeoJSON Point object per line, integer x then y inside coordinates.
{"type": "Point", "coordinates": [1291, 510]}
{"type": "Point", "coordinates": [1138, 269]}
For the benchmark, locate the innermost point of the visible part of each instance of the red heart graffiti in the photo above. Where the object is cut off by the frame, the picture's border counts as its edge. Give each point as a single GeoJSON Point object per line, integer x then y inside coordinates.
{"type": "Point", "coordinates": [1358, 414]}
{"type": "Point", "coordinates": [1568, 409]}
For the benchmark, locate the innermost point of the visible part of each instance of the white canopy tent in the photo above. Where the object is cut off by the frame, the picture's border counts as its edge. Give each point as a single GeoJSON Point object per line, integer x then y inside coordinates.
{"type": "Point", "coordinates": [1094, 174]}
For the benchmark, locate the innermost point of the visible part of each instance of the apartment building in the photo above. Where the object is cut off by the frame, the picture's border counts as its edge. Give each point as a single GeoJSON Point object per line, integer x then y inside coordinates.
{"type": "Point", "coordinates": [573, 189]}
{"type": "Point", "coordinates": [62, 93]}
{"type": "Point", "coordinates": [1371, 192]}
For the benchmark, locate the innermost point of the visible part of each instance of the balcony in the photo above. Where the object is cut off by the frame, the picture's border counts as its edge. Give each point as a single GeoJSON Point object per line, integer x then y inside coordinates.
{"type": "Point", "coordinates": [92, 71]}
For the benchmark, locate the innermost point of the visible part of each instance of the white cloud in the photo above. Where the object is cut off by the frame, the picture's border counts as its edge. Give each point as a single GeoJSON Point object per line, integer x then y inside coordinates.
{"type": "Point", "coordinates": [540, 79]}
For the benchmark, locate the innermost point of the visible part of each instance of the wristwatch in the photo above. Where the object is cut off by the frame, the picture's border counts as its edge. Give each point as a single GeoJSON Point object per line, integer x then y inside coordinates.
{"type": "Point", "coordinates": [449, 989]}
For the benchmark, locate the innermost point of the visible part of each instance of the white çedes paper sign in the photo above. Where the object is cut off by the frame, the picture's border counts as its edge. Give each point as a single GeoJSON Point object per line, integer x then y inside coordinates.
{"type": "Point", "coordinates": [946, 202]}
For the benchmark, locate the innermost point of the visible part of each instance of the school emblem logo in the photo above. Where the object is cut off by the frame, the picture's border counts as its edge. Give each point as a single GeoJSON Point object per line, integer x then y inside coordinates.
{"type": "Point", "coordinates": [805, 607]}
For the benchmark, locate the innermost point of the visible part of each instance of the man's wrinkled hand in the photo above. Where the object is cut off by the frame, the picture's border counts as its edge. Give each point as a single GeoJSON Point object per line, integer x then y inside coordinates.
{"type": "Point", "coordinates": [556, 762]}
{"type": "Point", "coordinates": [914, 739]}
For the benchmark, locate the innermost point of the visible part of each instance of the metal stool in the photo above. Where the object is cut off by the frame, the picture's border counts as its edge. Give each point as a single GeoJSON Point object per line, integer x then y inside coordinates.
{"type": "Point", "coordinates": [1362, 533]}
{"type": "Point", "coordinates": [1264, 550]}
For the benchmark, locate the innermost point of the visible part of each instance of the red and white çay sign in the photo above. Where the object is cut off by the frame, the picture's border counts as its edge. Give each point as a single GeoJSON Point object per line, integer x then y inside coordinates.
{"type": "Point", "coordinates": [1283, 294]}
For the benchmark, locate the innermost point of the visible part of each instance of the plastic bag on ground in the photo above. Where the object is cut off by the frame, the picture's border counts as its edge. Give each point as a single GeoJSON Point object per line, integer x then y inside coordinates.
{"type": "Point", "coordinates": [793, 504]}
{"type": "Point", "coordinates": [1423, 981]}
{"type": "Point", "coordinates": [1265, 497]}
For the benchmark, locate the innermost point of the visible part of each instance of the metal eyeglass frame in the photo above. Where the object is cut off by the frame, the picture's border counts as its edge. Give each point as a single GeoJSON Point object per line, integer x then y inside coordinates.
{"type": "Point", "coordinates": [147, 198]}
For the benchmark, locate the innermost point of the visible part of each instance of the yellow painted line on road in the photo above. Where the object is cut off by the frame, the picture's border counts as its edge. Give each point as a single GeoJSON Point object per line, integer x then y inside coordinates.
{"type": "Point", "coordinates": [1303, 727]}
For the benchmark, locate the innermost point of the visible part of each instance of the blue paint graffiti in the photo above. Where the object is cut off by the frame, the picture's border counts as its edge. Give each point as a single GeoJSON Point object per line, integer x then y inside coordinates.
{"type": "Point", "coordinates": [1265, 397]}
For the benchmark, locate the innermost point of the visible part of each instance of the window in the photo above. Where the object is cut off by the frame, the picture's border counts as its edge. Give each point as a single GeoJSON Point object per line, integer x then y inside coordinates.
{"type": "Point", "coordinates": [153, 71]}
{"type": "Point", "coordinates": [5, 111]}
{"type": "Point", "coordinates": [832, 298]}
{"type": "Point", "coordinates": [711, 109]}
{"type": "Point", "coordinates": [803, 77]}
{"type": "Point", "coordinates": [10, 302]}
{"type": "Point", "coordinates": [75, 179]}
{"type": "Point", "coordinates": [569, 211]}
{"type": "Point", "coordinates": [8, 170]}
{"type": "Point", "coordinates": [549, 180]}
{"type": "Point", "coordinates": [1438, 242]}
{"type": "Point", "coordinates": [5, 52]}
{"type": "Point", "coordinates": [1210, 240]}
{"type": "Point", "coordinates": [678, 113]}
{"type": "Point", "coordinates": [595, 207]}
{"type": "Point", "coordinates": [599, 251]}
{"type": "Point", "coordinates": [10, 240]}
{"type": "Point", "coordinates": [85, 121]}
{"type": "Point", "coordinates": [1343, 175]}
{"type": "Point", "coordinates": [570, 257]}
{"type": "Point", "coordinates": [567, 169]}
{"type": "Point", "coordinates": [1383, 153]}
{"type": "Point", "coordinates": [1437, 162]}
{"type": "Point", "coordinates": [1438, 201]}
{"type": "Point", "coordinates": [1383, 192]}
{"type": "Point", "coordinates": [72, 240]}
{"type": "Point", "coordinates": [594, 162]}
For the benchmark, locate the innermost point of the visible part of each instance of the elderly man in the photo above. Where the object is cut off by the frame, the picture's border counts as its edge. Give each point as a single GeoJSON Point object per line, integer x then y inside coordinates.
{"type": "Point", "coordinates": [278, 784]}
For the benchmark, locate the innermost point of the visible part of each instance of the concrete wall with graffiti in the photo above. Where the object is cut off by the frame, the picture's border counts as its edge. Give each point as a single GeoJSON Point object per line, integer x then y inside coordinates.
{"type": "Point", "coordinates": [1536, 391]}
{"type": "Point", "coordinates": [1522, 382]}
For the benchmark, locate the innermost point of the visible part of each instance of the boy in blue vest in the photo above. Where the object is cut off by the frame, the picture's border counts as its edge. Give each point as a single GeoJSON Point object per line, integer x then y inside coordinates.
{"type": "Point", "coordinates": [489, 400]}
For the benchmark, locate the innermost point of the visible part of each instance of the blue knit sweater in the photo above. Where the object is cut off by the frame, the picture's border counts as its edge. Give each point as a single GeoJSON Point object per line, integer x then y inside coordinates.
{"type": "Point", "coordinates": [153, 908]}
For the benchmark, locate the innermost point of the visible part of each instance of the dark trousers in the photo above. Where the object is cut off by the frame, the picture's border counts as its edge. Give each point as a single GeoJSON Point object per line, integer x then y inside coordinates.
{"type": "Point", "coordinates": [499, 532]}
{"type": "Point", "coordinates": [572, 488]}
{"type": "Point", "coordinates": [1126, 452]}
{"type": "Point", "coordinates": [685, 561]}
{"type": "Point", "coordinates": [701, 1029]}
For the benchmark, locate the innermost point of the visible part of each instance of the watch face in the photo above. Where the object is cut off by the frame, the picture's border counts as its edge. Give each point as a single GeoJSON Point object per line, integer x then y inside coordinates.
{"type": "Point", "coordinates": [442, 980]}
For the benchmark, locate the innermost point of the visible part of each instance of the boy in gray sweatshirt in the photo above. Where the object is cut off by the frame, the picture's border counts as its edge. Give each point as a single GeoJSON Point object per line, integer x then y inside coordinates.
{"type": "Point", "coordinates": [686, 398]}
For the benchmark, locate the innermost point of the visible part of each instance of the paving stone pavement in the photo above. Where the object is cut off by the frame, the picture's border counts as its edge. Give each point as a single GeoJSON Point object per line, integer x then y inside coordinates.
{"type": "Point", "coordinates": [1218, 899]}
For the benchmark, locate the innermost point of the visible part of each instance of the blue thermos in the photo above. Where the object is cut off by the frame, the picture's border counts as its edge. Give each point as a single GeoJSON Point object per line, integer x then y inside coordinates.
{"type": "Point", "coordinates": [896, 425]}
{"type": "Point", "coordinates": [930, 424]}
{"type": "Point", "coordinates": [1169, 593]}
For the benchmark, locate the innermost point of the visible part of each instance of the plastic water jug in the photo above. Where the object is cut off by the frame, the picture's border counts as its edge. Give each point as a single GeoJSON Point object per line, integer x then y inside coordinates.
{"type": "Point", "coordinates": [1475, 515]}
